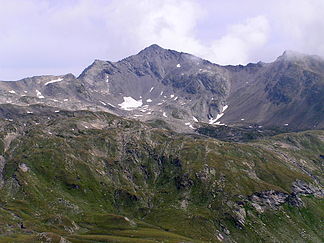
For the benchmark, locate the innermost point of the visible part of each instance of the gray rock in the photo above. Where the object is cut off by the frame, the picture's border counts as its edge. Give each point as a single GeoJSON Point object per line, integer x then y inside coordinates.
{"type": "Point", "coordinates": [183, 90]}
{"type": "Point", "coordinates": [302, 188]}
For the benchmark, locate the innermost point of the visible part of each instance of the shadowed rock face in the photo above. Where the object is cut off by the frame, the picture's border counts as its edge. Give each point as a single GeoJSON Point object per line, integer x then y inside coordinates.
{"type": "Point", "coordinates": [287, 91]}
{"type": "Point", "coordinates": [182, 90]}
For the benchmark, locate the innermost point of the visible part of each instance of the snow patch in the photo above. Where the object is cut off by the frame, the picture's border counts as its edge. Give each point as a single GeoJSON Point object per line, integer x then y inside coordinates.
{"type": "Point", "coordinates": [111, 105]}
{"type": "Point", "coordinates": [189, 125]}
{"type": "Point", "coordinates": [178, 65]}
{"type": "Point", "coordinates": [103, 103]}
{"type": "Point", "coordinates": [12, 91]}
{"type": "Point", "coordinates": [39, 94]}
{"type": "Point", "coordinates": [242, 119]}
{"type": "Point", "coordinates": [130, 103]}
{"type": "Point", "coordinates": [224, 108]}
{"type": "Point", "coordinates": [161, 93]}
{"type": "Point", "coordinates": [195, 119]}
{"type": "Point", "coordinates": [66, 100]}
{"type": "Point", "coordinates": [286, 124]}
{"type": "Point", "coordinates": [164, 114]}
{"type": "Point", "coordinates": [212, 121]}
{"type": "Point", "coordinates": [219, 124]}
{"type": "Point", "coordinates": [54, 81]}
{"type": "Point", "coordinates": [29, 112]}
{"type": "Point", "coordinates": [171, 96]}
{"type": "Point", "coordinates": [148, 100]}
{"type": "Point", "coordinates": [57, 111]}
{"type": "Point", "coordinates": [151, 89]}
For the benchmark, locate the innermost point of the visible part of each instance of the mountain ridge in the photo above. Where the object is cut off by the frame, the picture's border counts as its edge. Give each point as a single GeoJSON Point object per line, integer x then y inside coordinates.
{"type": "Point", "coordinates": [164, 147]}
{"type": "Point", "coordinates": [184, 90]}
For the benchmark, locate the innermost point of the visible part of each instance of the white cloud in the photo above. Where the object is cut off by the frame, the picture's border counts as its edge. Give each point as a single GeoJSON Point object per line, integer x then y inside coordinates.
{"type": "Point", "coordinates": [168, 23]}
{"type": "Point", "coordinates": [173, 24]}
{"type": "Point", "coordinates": [241, 39]}
{"type": "Point", "coordinates": [39, 36]}
{"type": "Point", "coordinates": [302, 24]}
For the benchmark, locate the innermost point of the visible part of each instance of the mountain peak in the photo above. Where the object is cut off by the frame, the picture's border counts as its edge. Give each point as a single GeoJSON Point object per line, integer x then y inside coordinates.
{"type": "Point", "coordinates": [290, 55]}
{"type": "Point", "coordinates": [154, 47]}
{"type": "Point", "coordinates": [294, 56]}
{"type": "Point", "coordinates": [152, 50]}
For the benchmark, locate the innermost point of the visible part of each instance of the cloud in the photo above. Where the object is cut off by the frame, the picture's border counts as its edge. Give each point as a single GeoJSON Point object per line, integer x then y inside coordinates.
{"type": "Point", "coordinates": [236, 45]}
{"type": "Point", "coordinates": [173, 24]}
{"type": "Point", "coordinates": [38, 37]}
{"type": "Point", "coordinates": [168, 23]}
{"type": "Point", "coordinates": [302, 24]}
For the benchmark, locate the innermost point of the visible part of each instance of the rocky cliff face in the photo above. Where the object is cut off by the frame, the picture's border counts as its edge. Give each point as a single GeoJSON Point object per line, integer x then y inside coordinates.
{"type": "Point", "coordinates": [287, 92]}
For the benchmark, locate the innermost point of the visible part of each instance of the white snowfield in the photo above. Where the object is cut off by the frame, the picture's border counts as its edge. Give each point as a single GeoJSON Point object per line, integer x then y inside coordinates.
{"type": "Point", "coordinates": [189, 125]}
{"type": "Point", "coordinates": [39, 94]}
{"type": "Point", "coordinates": [130, 103]}
{"type": "Point", "coordinates": [111, 104]}
{"type": "Point", "coordinates": [212, 121]}
{"type": "Point", "coordinates": [54, 81]}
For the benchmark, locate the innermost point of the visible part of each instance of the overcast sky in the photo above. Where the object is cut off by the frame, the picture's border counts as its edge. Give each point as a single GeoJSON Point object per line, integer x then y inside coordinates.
{"type": "Point", "coordinates": [64, 36]}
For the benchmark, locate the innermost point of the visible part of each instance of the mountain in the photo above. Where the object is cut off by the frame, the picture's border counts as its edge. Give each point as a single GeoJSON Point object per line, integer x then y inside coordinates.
{"type": "Point", "coordinates": [288, 91]}
{"type": "Point", "coordinates": [184, 90]}
{"type": "Point", "coordinates": [164, 146]}
{"type": "Point", "coordinates": [81, 176]}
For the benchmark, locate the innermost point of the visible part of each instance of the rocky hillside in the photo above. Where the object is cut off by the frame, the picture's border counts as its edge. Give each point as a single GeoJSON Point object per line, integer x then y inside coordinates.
{"type": "Point", "coordinates": [288, 92]}
{"type": "Point", "coordinates": [81, 176]}
{"type": "Point", "coordinates": [164, 146]}
{"type": "Point", "coordinates": [186, 91]}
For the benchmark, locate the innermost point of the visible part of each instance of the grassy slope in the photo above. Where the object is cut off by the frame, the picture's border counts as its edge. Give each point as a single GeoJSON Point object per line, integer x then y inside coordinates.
{"type": "Point", "coordinates": [83, 182]}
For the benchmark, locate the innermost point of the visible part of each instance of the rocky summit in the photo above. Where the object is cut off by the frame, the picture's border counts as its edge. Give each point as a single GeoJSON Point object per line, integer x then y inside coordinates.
{"type": "Point", "coordinates": [164, 146]}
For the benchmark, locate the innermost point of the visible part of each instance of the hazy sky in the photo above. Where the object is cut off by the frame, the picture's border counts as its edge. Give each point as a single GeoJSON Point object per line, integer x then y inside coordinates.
{"type": "Point", "coordinates": [64, 36]}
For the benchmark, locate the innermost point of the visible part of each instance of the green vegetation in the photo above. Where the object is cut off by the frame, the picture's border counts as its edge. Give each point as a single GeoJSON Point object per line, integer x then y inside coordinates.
{"type": "Point", "coordinates": [94, 177]}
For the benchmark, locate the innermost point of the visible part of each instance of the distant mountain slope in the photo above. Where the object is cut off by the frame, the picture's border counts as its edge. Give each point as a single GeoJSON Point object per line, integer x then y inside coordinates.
{"type": "Point", "coordinates": [184, 90]}
{"type": "Point", "coordinates": [287, 92]}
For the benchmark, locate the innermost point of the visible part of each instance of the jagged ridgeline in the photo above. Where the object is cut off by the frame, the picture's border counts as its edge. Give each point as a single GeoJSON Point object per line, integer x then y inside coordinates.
{"type": "Point", "coordinates": [164, 146]}
{"type": "Point", "coordinates": [186, 91]}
